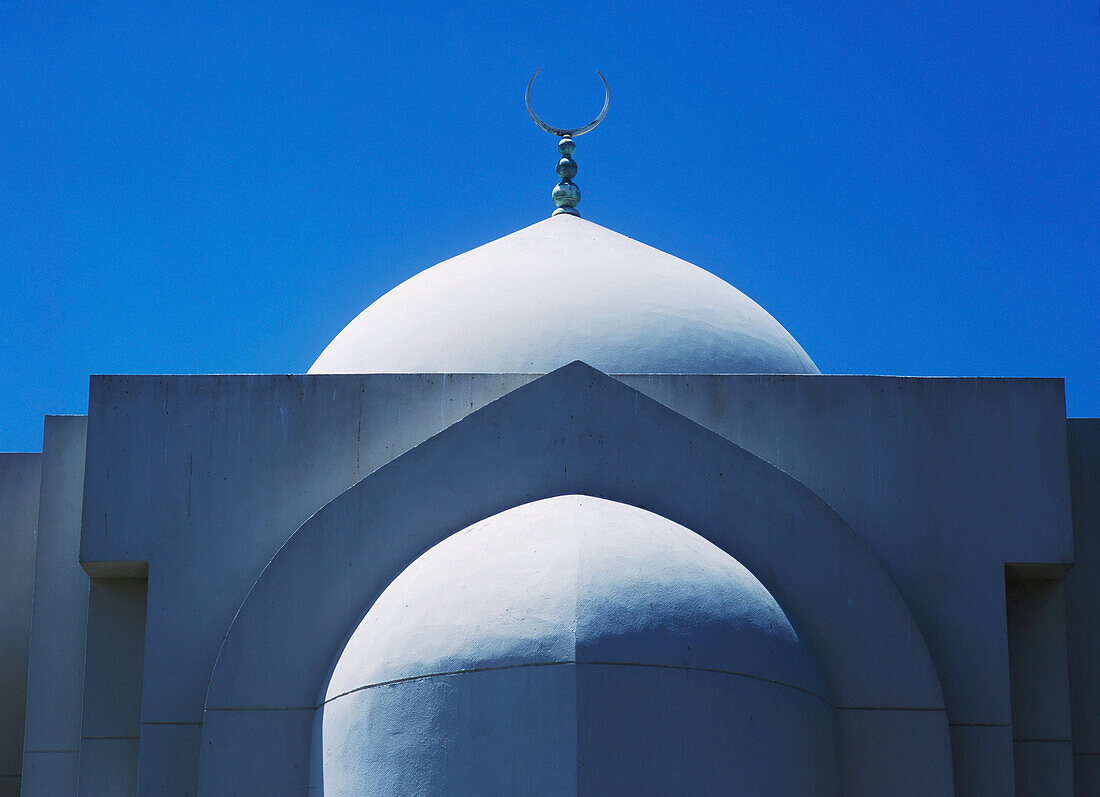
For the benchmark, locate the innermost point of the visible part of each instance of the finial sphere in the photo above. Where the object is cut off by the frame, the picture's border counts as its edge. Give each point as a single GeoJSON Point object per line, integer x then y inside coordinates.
{"type": "Point", "coordinates": [566, 195]}
{"type": "Point", "coordinates": [567, 146]}
{"type": "Point", "coordinates": [567, 169]}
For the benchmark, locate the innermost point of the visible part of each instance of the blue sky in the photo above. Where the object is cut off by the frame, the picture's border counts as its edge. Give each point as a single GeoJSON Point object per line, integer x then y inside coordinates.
{"type": "Point", "coordinates": [910, 188]}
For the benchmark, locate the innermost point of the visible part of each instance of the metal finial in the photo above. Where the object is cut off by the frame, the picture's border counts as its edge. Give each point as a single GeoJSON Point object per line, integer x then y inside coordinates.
{"type": "Point", "coordinates": [566, 195]}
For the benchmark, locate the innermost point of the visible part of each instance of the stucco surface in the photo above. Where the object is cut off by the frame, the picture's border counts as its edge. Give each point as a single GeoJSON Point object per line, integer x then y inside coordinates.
{"type": "Point", "coordinates": [574, 578]}
{"type": "Point", "coordinates": [733, 740]}
{"type": "Point", "coordinates": [588, 729]}
{"type": "Point", "coordinates": [560, 290]}
{"type": "Point", "coordinates": [577, 645]}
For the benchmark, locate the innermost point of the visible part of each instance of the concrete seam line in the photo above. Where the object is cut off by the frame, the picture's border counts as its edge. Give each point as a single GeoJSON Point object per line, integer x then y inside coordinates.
{"type": "Point", "coordinates": [566, 663]}
{"type": "Point", "coordinates": [1055, 741]}
{"type": "Point", "coordinates": [889, 708]}
{"type": "Point", "coordinates": [54, 750]}
{"type": "Point", "coordinates": [260, 708]}
{"type": "Point", "coordinates": [168, 722]}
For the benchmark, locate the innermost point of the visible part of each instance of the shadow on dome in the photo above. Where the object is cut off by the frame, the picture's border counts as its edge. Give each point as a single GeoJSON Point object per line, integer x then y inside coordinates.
{"type": "Point", "coordinates": [576, 645]}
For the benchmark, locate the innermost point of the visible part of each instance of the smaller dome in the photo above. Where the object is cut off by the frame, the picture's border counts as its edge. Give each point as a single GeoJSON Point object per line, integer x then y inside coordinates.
{"type": "Point", "coordinates": [506, 658]}
{"type": "Point", "coordinates": [567, 579]}
{"type": "Point", "coordinates": [562, 290]}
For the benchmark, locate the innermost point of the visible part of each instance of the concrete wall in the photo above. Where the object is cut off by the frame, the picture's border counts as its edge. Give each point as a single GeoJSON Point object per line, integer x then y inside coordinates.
{"type": "Point", "coordinates": [52, 736]}
{"type": "Point", "coordinates": [945, 480]}
{"type": "Point", "coordinates": [1083, 604]}
{"type": "Point", "coordinates": [1040, 687]}
{"type": "Point", "coordinates": [20, 476]}
{"type": "Point", "coordinates": [204, 478]}
{"type": "Point", "coordinates": [577, 431]}
{"type": "Point", "coordinates": [111, 726]}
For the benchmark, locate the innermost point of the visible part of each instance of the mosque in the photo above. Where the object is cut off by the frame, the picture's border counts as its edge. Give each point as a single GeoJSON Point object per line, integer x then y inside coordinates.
{"type": "Point", "coordinates": [563, 514]}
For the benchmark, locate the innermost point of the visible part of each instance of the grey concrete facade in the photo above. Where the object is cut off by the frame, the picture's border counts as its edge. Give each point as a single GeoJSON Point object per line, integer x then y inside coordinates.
{"type": "Point", "coordinates": [947, 480]}
{"type": "Point", "coordinates": [577, 431]}
{"type": "Point", "coordinates": [1082, 587]}
{"type": "Point", "coordinates": [51, 741]}
{"type": "Point", "coordinates": [20, 477]}
{"type": "Point", "coordinates": [920, 530]}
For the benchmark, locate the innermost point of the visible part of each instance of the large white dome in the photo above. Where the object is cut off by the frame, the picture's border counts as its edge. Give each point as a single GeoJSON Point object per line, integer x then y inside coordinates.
{"type": "Point", "coordinates": [561, 290]}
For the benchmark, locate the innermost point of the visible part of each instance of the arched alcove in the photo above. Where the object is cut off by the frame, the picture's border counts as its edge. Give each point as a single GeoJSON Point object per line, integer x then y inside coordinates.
{"type": "Point", "coordinates": [572, 431]}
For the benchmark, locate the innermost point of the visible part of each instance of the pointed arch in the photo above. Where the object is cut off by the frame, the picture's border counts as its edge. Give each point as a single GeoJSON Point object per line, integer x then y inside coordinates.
{"type": "Point", "coordinates": [575, 430]}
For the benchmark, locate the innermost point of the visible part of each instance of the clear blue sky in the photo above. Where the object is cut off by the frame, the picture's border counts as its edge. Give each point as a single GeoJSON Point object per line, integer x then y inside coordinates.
{"type": "Point", "coordinates": [910, 188]}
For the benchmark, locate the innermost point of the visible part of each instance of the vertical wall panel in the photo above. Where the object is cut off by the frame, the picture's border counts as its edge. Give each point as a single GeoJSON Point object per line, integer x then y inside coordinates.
{"type": "Point", "coordinates": [51, 742]}
{"type": "Point", "coordinates": [111, 727]}
{"type": "Point", "coordinates": [20, 476]}
{"type": "Point", "coordinates": [1083, 603]}
{"type": "Point", "coordinates": [1039, 675]}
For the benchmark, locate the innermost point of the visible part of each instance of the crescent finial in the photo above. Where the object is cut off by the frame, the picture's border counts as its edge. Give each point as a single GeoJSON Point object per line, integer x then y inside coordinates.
{"type": "Point", "coordinates": [560, 131]}
{"type": "Point", "coordinates": [566, 195]}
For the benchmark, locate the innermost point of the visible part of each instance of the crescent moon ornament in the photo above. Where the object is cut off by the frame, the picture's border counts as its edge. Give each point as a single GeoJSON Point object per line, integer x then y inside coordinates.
{"type": "Point", "coordinates": [566, 195]}
{"type": "Point", "coordinates": [562, 132]}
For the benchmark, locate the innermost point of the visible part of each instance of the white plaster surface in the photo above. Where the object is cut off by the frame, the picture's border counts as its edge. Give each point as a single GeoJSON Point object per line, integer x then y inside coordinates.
{"type": "Point", "coordinates": [560, 290]}
{"type": "Point", "coordinates": [574, 578]}
{"type": "Point", "coordinates": [585, 728]}
{"type": "Point", "coordinates": [577, 645]}
{"type": "Point", "coordinates": [20, 478]}
{"type": "Point", "coordinates": [56, 658]}
{"type": "Point", "coordinates": [658, 731]}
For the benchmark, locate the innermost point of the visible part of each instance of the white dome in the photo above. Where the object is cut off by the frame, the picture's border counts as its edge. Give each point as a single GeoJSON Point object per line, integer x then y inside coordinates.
{"type": "Point", "coordinates": [544, 648]}
{"type": "Point", "coordinates": [573, 578]}
{"type": "Point", "coordinates": [561, 290]}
